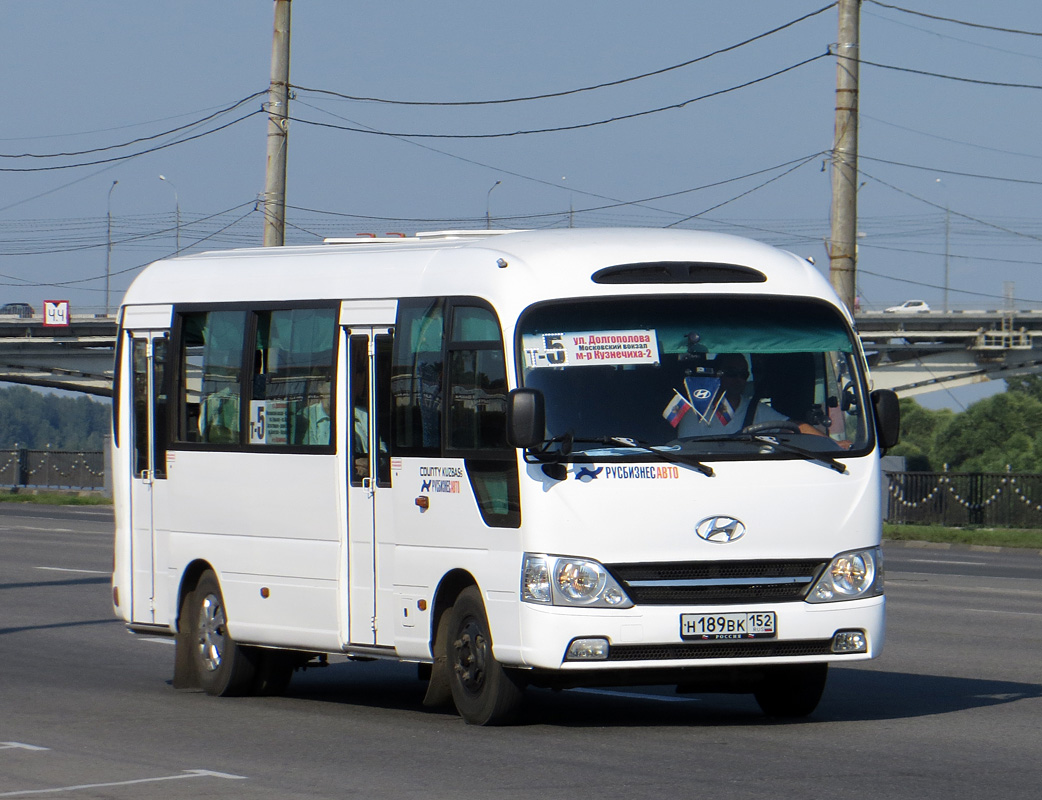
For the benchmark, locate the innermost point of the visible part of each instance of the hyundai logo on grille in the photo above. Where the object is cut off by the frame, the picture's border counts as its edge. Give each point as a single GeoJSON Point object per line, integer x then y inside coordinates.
{"type": "Point", "coordinates": [720, 530]}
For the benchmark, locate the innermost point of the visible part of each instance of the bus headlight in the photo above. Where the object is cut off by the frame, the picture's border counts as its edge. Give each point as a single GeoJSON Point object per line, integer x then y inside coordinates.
{"type": "Point", "coordinates": [559, 581]}
{"type": "Point", "coordinates": [850, 576]}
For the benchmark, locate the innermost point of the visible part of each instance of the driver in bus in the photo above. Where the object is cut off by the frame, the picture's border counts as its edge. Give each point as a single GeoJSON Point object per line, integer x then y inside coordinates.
{"type": "Point", "coordinates": [733, 413]}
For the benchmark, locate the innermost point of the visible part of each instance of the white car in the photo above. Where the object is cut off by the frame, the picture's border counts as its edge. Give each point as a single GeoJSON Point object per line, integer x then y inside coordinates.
{"type": "Point", "coordinates": [908, 307]}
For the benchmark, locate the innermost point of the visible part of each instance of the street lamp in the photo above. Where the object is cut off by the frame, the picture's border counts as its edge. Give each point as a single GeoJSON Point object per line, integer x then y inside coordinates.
{"type": "Point", "coordinates": [108, 251]}
{"type": "Point", "coordinates": [947, 240]}
{"type": "Point", "coordinates": [177, 212]}
{"type": "Point", "coordinates": [488, 206]}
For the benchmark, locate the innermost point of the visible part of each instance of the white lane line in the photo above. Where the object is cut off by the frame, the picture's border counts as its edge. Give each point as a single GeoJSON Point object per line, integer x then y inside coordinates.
{"type": "Point", "coordinates": [158, 639]}
{"type": "Point", "coordinates": [942, 561]}
{"type": "Point", "coordinates": [82, 571]}
{"type": "Point", "coordinates": [34, 528]}
{"type": "Point", "coordinates": [188, 773]}
{"type": "Point", "coordinates": [20, 746]}
{"type": "Point", "coordinates": [633, 696]}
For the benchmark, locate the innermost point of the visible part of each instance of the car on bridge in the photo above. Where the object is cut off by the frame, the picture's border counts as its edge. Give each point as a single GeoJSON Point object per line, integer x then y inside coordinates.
{"type": "Point", "coordinates": [20, 310]}
{"type": "Point", "coordinates": [908, 307]}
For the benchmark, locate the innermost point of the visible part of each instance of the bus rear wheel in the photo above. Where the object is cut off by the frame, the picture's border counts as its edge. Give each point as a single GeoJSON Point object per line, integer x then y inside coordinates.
{"type": "Point", "coordinates": [222, 667]}
{"type": "Point", "coordinates": [483, 691]}
{"type": "Point", "coordinates": [792, 690]}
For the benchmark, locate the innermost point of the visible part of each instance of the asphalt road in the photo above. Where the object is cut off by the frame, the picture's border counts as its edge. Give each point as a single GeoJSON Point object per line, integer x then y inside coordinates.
{"type": "Point", "coordinates": [951, 710]}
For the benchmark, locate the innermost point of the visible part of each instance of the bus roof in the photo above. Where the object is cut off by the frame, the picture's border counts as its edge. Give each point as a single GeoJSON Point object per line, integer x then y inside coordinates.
{"type": "Point", "coordinates": [509, 269]}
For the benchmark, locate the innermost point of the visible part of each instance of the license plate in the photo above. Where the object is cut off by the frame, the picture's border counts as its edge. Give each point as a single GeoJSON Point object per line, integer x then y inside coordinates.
{"type": "Point", "coordinates": [732, 625]}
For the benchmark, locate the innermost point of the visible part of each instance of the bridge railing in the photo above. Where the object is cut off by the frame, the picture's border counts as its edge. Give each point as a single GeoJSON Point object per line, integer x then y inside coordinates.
{"type": "Point", "coordinates": [988, 499]}
{"type": "Point", "coordinates": [53, 469]}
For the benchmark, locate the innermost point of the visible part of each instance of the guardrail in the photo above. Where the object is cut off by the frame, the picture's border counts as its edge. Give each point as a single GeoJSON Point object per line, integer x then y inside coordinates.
{"type": "Point", "coordinates": [956, 499]}
{"type": "Point", "coordinates": [52, 469]}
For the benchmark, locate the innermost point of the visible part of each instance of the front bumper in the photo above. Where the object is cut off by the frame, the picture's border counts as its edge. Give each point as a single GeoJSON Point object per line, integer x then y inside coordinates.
{"type": "Point", "coordinates": [648, 637]}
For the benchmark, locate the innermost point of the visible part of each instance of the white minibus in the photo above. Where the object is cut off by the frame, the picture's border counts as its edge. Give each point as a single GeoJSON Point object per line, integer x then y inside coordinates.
{"type": "Point", "coordinates": [561, 458]}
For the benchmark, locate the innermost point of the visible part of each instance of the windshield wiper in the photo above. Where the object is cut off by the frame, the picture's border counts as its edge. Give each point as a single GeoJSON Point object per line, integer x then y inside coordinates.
{"type": "Point", "coordinates": [567, 440]}
{"type": "Point", "coordinates": [811, 455]}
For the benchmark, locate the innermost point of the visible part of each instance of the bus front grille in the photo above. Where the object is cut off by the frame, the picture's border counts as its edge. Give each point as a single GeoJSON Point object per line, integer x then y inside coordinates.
{"type": "Point", "coordinates": [717, 582]}
{"type": "Point", "coordinates": [710, 650]}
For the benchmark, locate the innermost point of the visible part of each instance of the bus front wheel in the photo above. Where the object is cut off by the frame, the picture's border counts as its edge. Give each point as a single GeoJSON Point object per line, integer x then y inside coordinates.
{"type": "Point", "coordinates": [222, 667]}
{"type": "Point", "coordinates": [483, 691]}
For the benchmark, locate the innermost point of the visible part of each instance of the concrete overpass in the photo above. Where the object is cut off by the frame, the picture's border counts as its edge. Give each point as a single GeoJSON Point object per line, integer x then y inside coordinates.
{"type": "Point", "coordinates": [921, 353]}
{"type": "Point", "coordinates": [77, 357]}
{"type": "Point", "coordinates": [910, 353]}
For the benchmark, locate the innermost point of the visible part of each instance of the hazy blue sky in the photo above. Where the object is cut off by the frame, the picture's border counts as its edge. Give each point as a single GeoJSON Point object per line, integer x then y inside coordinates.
{"type": "Point", "coordinates": [85, 75]}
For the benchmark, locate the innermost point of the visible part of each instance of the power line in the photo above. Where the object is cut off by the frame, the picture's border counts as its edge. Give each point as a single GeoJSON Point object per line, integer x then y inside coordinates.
{"type": "Point", "coordinates": [950, 140]}
{"type": "Point", "coordinates": [747, 192]}
{"type": "Point", "coordinates": [956, 21]}
{"type": "Point", "coordinates": [958, 173]}
{"type": "Point", "coordinates": [954, 256]}
{"type": "Point", "coordinates": [135, 238]}
{"type": "Point", "coordinates": [139, 153]}
{"type": "Point", "coordinates": [950, 210]}
{"type": "Point", "coordinates": [231, 224]}
{"type": "Point", "coordinates": [134, 141]}
{"type": "Point", "coordinates": [567, 92]}
{"type": "Point", "coordinates": [799, 162]}
{"type": "Point", "coordinates": [927, 73]}
{"type": "Point", "coordinates": [946, 288]}
{"type": "Point", "coordinates": [561, 128]}
{"type": "Point", "coordinates": [949, 37]}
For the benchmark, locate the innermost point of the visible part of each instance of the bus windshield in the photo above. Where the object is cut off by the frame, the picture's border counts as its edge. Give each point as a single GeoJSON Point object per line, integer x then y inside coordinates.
{"type": "Point", "coordinates": [707, 376]}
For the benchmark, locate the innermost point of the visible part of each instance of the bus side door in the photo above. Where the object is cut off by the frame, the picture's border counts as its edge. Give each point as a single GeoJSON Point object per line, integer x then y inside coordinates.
{"type": "Point", "coordinates": [147, 402]}
{"type": "Point", "coordinates": [367, 417]}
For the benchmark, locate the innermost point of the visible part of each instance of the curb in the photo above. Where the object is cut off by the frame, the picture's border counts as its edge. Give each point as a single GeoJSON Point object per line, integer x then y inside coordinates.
{"type": "Point", "coordinates": [958, 546]}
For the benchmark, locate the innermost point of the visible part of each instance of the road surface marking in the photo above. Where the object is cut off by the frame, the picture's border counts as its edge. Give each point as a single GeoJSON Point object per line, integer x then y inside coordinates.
{"type": "Point", "coordinates": [83, 571]}
{"type": "Point", "coordinates": [188, 773]}
{"type": "Point", "coordinates": [634, 696]}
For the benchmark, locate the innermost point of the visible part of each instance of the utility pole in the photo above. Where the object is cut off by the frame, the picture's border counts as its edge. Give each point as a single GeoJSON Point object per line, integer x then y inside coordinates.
{"type": "Point", "coordinates": [843, 238]}
{"type": "Point", "coordinates": [108, 249]}
{"type": "Point", "coordinates": [947, 252]}
{"type": "Point", "coordinates": [278, 130]}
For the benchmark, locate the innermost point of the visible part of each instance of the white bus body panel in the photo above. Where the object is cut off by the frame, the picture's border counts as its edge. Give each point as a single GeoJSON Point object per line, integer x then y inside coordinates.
{"type": "Point", "coordinates": [278, 521]}
{"type": "Point", "coordinates": [277, 525]}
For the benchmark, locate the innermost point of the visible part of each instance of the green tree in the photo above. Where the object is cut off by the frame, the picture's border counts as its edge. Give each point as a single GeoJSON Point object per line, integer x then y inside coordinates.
{"type": "Point", "coordinates": [999, 431]}
{"type": "Point", "coordinates": [35, 420]}
{"type": "Point", "coordinates": [919, 428]}
{"type": "Point", "coordinates": [1027, 384]}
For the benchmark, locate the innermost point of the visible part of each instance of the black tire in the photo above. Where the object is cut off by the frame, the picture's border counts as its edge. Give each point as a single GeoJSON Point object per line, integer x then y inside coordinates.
{"type": "Point", "coordinates": [221, 667]}
{"type": "Point", "coordinates": [793, 690]}
{"type": "Point", "coordinates": [483, 691]}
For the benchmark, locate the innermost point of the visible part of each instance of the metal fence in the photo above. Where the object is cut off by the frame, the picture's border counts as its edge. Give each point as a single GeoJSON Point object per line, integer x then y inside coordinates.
{"type": "Point", "coordinates": [1000, 499]}
{"type": "Point", "coordinates": [57, 469]}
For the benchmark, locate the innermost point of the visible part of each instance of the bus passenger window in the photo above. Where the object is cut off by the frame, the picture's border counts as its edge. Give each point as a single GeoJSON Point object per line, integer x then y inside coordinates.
{"type": "Point", "coordinates": [291, 402]}
{"type": "Point", "coordinates": [209, 379]}
{"type": "Point", "coordinates": [416, 377]}
{"type": "Point", "coordinates": [477, 381]}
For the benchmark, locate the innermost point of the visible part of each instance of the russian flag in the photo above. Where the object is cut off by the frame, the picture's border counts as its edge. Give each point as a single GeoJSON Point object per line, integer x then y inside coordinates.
{"type": "Point", "coordinates": [724, 413]}
{"type": "Point", "coordinates": [676, 409]}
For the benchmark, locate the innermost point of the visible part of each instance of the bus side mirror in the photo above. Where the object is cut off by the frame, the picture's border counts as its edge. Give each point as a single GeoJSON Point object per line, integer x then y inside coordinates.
{"type": "Point", "coordinates": [526, 418]}
{"type": "Point", "coordinates": [888, 417]}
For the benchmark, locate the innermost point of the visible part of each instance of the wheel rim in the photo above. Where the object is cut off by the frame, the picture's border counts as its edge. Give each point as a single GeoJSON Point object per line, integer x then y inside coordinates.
{"type": "Point", "coordinates": [471, 655]}
{"type": "Point", "coordinates": [210, 635]}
